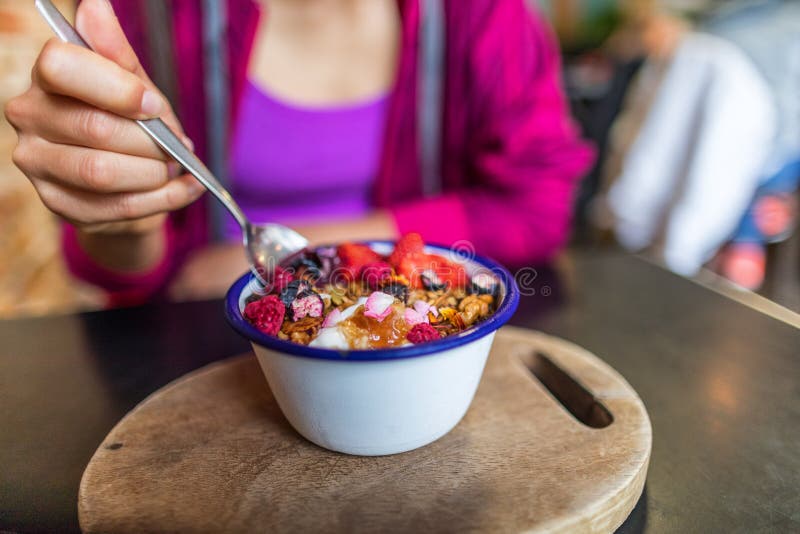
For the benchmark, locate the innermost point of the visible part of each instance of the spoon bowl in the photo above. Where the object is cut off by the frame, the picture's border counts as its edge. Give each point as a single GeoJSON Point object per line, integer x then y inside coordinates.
{"type": "Point", "coordinates": [266, 245]}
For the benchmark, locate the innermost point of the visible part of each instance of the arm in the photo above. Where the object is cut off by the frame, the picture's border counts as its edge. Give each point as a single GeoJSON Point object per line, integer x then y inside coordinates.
{"type": "Point", "coordinates": [525, 157]}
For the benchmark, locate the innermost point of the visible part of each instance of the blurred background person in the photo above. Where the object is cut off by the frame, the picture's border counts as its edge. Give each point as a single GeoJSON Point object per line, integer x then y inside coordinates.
{"type": "Point", "coordinates": [768, 32]}
{"type": "Point", "coordinates": [716, 158]}
{"type": "Point", "coordinates": [349, 119]}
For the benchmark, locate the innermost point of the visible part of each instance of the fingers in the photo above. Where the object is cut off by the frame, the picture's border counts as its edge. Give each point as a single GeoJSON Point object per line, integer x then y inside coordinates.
{"type": "Point", "coordinates": [67, 70]}
{"type": "Point", "coordinates": [92, 170]}
{"type": "Point", "coordinates": [110, 79]}
{"type": "Point", "coordinates": [67, 121]}
{"type": "Point", "coordinates": [85, 208]}
{"type": "Point", "coordinates": [139, 227]}
{"type": "Point", "coordinates": [87, 160]}
{"type": "Point", "coordinates": [96, 22]}
{"type": "Point", "coordinates": [70, 70]}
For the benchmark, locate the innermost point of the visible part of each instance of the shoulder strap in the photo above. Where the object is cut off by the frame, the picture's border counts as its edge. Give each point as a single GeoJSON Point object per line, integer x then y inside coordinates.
{"type": "Point", "coordinates": [429, 87]}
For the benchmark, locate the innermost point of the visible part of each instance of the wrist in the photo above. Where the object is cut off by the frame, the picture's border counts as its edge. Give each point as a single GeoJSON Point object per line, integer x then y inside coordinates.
{"type": "Point", "coordinates": [128, 251]}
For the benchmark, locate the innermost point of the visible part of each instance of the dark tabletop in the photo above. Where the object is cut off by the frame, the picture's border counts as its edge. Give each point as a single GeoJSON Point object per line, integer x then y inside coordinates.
{"type": "Point", "coordinates": [721, 383]}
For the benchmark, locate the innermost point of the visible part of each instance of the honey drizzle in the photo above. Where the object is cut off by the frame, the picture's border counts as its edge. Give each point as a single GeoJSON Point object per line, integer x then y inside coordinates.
{"type": "Point", "coordinates": [364, 332]}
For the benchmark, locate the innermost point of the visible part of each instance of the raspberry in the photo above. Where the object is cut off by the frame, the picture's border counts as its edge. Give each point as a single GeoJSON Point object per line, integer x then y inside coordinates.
{"type": "Point", "coordinates": [375, 274]}
{"type": "Point", "coordinates": [307, 304]}
{"type": "Point", "coordinates": [422, 333]}
{"type": "Point", "coordinates": [408, 245]}
{"type": "Point", "coordinates": [266, 314]}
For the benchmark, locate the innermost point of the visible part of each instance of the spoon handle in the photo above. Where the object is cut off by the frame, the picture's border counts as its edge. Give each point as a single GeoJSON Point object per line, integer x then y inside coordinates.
{"type": "Point", "coordinates": [155, 128]}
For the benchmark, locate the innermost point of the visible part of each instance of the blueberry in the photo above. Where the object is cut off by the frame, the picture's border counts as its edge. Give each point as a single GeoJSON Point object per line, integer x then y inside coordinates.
{"type": "Point", "coordinates": [292, 289]}
{"type": "Point", "coordinates": [483, 284]}
{"type": "Point", "coordinates": [431, 281]}
{"type": "Point", "coordinates": [397, 290]}
{"type": "Point", "coordinates": [307, 268]}
{"type": "Point", "coordinates": [327, 258]}
{"type": "Point", "coordinates": [326, 253]}
{"type": "Point", "coordinates": [307, 304]}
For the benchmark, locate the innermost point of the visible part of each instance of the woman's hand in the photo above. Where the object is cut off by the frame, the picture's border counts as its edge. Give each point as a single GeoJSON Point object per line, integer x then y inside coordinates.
{"type": "Point", "coordinates": [88, 162]}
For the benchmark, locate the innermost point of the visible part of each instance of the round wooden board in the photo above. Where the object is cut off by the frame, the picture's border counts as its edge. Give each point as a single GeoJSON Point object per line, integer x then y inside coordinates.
{"type": "Point", "coordinates": [212, 452]}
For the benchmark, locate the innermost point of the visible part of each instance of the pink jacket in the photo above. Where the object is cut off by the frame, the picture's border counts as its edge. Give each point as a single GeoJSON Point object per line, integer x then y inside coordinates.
{"type": "Point", "coordinates": [511, 157]}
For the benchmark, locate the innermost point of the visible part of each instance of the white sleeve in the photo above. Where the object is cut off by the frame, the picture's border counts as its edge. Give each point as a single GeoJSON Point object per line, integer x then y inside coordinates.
{"type": "Point", "coordinates": [698, 159]}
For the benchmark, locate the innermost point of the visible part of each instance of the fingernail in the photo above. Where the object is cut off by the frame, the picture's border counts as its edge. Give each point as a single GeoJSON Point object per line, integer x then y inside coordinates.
{"type": "Point", "coordinates": [189, 143]}
{"type": "Point", "coordinates": [196, 188]}
{"type": "Point", "coordinates": [174, 169]}
{"type": "Point", "coordinates": [151, 104]}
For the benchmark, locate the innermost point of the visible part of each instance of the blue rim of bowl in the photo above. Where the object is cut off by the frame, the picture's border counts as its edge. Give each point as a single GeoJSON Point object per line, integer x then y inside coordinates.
{"type": "Point", "coordinates": [500, 317]}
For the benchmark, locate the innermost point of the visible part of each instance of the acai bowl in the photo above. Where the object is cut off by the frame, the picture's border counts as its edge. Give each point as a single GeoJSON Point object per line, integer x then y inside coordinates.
{"type": "Point", "coordinates": [347, 390]}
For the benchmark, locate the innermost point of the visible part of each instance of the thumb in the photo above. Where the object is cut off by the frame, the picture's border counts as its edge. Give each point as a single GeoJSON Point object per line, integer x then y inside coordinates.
{"type": "Point", "coordinates": [97, 23]}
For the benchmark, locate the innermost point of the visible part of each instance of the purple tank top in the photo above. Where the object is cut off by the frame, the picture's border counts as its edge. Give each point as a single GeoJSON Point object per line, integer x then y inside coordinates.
{"type": "Point", "coordinates": [294, 165]}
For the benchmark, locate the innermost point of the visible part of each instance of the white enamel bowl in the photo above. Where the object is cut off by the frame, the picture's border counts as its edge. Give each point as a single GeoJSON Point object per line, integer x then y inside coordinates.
{"type": "Point", "coordinates": [376, 402]}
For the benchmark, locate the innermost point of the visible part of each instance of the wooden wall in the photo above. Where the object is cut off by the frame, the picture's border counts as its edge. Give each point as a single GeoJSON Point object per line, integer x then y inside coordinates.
{"type": "Point", "coordinates": [33, 279]}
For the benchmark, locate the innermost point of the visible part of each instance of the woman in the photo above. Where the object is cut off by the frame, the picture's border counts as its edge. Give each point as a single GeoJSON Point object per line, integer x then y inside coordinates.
{"type": "Point", "coordinates": [321, 73]}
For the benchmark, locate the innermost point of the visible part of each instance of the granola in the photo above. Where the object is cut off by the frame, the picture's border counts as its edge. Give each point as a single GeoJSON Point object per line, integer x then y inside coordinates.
{"type": "Point", "coordinates": [351, 297]}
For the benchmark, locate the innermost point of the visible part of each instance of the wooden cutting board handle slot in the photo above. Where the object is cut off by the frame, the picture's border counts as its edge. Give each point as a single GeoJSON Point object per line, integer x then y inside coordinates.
{"type": "Point", "coordinates": [570, 393]}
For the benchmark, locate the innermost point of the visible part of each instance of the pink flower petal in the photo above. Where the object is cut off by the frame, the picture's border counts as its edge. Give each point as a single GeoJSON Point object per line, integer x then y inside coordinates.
{"type": "Point", "coordinates": [378, 305]}
{"type": "Point", "coordinates": [333, 318]}
{"type": "Point", "coordinates": [422, 307]}
{"type": "Point", "coordinates": [435, 311]}
{"type": "Point", "coordinates": [413, 317]}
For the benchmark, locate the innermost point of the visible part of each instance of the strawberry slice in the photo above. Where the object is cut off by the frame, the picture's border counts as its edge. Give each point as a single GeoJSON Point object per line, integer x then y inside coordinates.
{"type": "Point", "coordinates": [408, 245]}
{"type": "Point", "coordinates": [354, 257]}
{"type": "Point", "coordinates": [450, 273]}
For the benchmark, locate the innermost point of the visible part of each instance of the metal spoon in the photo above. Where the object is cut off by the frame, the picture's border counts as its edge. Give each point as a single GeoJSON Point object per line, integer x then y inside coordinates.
{"type": "Point", "coordinates": [265, 244]}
